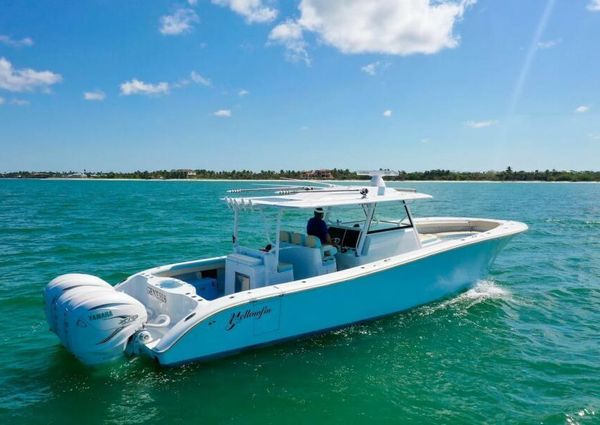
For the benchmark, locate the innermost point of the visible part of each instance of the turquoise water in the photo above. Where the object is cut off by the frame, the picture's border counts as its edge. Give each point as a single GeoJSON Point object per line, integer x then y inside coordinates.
{"type": "Point", "coordinates": [523, 346]}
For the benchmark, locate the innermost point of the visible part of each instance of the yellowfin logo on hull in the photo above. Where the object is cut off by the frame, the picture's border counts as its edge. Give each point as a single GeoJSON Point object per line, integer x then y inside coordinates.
{"type": "Point", "coordinates": [243, 315]}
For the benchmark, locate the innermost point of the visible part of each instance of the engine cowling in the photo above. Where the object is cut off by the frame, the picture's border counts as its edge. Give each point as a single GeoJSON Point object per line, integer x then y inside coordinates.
{"type": "Point", "coordinates": [63, 283]}
{"type": "Point", "coordinates": [91, 318]}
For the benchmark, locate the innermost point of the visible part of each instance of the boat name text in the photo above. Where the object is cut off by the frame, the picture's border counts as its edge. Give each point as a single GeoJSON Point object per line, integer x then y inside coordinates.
{"type": "Point", "coordinates": [243, 315]}
{"type": "Point", "coordinates": [160, 296]}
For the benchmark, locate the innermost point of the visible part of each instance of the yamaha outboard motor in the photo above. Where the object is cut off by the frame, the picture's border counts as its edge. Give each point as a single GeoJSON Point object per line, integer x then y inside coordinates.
{"type": "Point", "coordinates": [91, 318]}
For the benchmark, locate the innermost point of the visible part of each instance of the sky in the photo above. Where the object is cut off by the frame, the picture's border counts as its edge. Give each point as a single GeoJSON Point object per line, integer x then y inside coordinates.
{"type": "Point", "coordinates": [116, 85]}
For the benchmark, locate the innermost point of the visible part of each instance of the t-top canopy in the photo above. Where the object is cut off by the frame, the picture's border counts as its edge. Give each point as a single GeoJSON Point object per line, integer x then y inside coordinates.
{"type": "Point", "coordinates": [328, 197]}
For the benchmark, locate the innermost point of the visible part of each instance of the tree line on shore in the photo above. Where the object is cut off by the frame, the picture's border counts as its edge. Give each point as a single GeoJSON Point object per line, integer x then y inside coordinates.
{"type": "Point", "coordinates": [334, 174]}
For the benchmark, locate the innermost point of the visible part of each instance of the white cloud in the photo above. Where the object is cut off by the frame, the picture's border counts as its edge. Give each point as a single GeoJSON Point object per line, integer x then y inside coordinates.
{"type": "Point", "coordinates": [243, 92]}
{"type": "Point", "coordinates": [199, 79]}
{"type": "Point", "coordinates": [19, 102]}
{"type": "Point", "coordinates": [136, 86]}
{"type": "Point", "coordinates": [582, 109]}
{"type": "Point", "coordinates": [374, 68]}
{"type": "Point", "coordinates": [222, 113]}
{"type": "Point", "coordinates": [289, 35]}
{"type": "Point", "coordinates": [9, 41]}
{"type": "Point", "coordinates": [424, 141]}
{"type": "Point", "coordinates": [97, 95]}
{"type": "Point", "coordinates": [594, 136]}
{"type": "Point", "coordinates": [194, 78]}
{"type": "Point", "coordinates": [139, 87]}
{"type": "Point", "coordinates": [180, 22]}
{"type": "Point", "coordinates": [384, 26]}
{"type": "Point", "coordinates": [192, 2]}
{"type": "Point", "coordinates": [594, 6]}
{"type": "Point", "coordinates": [548, 44]}
{"type": "Point", "coordinates": [26, 79]}
{"type": "Point", "coordinates": [480, 124]}
{"type": "Point", "coordinates": [14, 101]}
{"type": "Point", "coordinates": [252, 10]}
{"type": "Point", "coordinates": [387, 113]}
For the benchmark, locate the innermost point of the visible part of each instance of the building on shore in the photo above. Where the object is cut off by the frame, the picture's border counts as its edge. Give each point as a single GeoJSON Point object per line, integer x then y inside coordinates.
{"type": "Point", "coordinates": [318, 175]}
{"type": "Point", "coordinates": [185, 173]}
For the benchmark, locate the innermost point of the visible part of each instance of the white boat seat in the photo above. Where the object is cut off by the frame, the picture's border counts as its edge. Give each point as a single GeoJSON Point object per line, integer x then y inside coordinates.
{"type": "Point", "coordinates": [313, 242]}
{"type": "Point", "coordinates": [298, 238]}
{"type": "Point", "coordinates": [283, 267]}
{"type": "Point", "coordinates": [284, 236]}
{"type": "Point", "coordinates": [327, 251]}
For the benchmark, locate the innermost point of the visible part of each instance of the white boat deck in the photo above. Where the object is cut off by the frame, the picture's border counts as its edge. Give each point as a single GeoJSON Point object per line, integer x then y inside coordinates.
{"type": "Point", "coordinates": [435, 238]}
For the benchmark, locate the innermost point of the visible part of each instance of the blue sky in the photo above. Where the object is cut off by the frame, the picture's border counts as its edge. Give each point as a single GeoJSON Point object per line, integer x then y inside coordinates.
{"type": "Point", "coordinates": [272, 84]}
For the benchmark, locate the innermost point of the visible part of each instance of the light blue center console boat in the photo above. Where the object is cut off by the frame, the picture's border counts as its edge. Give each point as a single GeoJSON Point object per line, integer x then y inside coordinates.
{"type": "Point", "coordinates": [381, 261]}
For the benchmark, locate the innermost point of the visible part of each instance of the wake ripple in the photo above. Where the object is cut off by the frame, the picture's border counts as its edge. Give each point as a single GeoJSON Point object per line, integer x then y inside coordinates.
{"type": "Point", "coordinates": [482, 291]}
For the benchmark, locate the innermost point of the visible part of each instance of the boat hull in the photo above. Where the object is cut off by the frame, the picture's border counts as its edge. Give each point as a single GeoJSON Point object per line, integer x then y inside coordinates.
{"type": "Point", "coordinates": [290, 312]}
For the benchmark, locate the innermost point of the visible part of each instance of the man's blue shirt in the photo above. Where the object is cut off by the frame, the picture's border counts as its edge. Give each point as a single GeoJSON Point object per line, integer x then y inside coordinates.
{"type": "Point", "coordinates": [317, 227]}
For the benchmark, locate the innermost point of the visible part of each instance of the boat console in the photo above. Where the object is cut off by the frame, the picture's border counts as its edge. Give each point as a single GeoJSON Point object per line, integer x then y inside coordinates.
{"type": "Point", "coordinates": [378, 244]}
{"type": "Point", "coordinates": [346, 236]}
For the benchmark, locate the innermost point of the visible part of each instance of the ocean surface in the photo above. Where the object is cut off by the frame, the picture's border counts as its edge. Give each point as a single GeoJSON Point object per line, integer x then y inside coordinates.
{"type": "Point", "coordinates": [522, 346]}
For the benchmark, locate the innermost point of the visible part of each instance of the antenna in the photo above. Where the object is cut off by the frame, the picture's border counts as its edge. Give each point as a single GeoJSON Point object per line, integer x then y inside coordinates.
{"type": "Point", "coordinates": [377, 178]}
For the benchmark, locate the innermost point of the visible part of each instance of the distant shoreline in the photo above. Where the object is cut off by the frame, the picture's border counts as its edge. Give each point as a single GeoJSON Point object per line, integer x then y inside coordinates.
{"type": "Point", "coordinates": [292, 181]}
{"type": "Point", "coordinates": [335, 174]}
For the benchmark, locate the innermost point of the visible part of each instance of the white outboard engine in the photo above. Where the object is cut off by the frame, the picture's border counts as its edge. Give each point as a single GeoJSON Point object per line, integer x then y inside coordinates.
{"type": "Point", "coordinates": [91, 318]}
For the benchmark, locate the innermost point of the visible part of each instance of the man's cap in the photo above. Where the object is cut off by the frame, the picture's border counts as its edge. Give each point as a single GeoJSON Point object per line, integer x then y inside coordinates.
{"type": "Point", "coordinates": [319, 210]}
